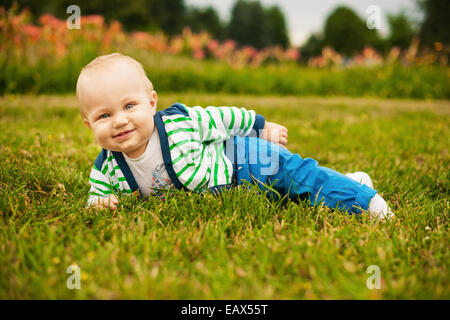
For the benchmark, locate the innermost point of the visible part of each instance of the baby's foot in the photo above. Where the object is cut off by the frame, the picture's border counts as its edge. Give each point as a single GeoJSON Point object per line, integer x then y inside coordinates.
{"type": "Point", "coordinates": [361, 177]}
{"type": "Point", "coordinates": [378, 208]}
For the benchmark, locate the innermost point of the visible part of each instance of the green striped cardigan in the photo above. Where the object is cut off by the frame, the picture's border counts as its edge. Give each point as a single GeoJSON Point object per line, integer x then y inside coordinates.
{"type": "Point", "coordinates": [192, 144]}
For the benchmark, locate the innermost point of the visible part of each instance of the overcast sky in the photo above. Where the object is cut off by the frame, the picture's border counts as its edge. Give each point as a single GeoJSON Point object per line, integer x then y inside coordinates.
{"type": "Point", "coordinates": [306, 16]}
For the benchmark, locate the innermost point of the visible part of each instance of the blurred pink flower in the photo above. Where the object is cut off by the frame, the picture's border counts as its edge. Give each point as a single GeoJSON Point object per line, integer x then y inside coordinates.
{"type": "Point", "coordinates": [438, 46]}
{"type": "Point", "coordinates": [195, 43]}
{"type": "Point", "coordinates": [249, 51]}
{"type": "Point", "coordinates": [32, 32]}
{"type": "Point", "coordinates": [158, 42]}
{"type": "Point", "coordinates": [51, 21]}
{"type": "Point", "coordinates": [368, 53]}
{"type": "Point", "coordinates": [317, 62]}
{"type": "Point", "coordinates": [292, 54]}
{"type": "Point", "coordinates": [394, 54]}
{"type": "Point", "coordinates": [115, 26]}
{"type": "Point", "coordinates": [140, 36]}
{"type": "Point", "coordinates": [199, 54]}
{"type": "Point", "coordinates": [213, 45]}
{"type": "Point", "coordinates": [176, 45]}
{"type": "Point", "coordinates": [229, 45]}
{"type": "Point", "coordinates": [94, 20]}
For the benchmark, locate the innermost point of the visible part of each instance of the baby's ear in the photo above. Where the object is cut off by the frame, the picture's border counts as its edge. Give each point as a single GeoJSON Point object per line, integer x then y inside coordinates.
{"type": "Point", "coordinates": [86, 122]}
{"type": "Point", "coordinates": [154, 100]}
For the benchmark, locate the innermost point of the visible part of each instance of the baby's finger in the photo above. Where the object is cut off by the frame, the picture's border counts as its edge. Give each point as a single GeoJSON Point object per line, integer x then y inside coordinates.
{"type": "Point", "coordinates": [100, 205]}
{"type": "Point", "coordinates": [113, 199]}
{"type": "Point", "coordinates": [107, 202]}
{"type": "Point", "coordinates": [283, 141]}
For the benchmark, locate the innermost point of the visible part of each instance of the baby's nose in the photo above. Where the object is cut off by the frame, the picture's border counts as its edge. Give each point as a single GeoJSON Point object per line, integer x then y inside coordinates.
{"type": "Point", "coordinates": [120, 120]}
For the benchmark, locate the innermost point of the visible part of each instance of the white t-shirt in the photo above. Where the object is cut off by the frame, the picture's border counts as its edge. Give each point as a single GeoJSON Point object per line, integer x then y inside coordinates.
{"type": "Point", "coordinates": [149, 170]}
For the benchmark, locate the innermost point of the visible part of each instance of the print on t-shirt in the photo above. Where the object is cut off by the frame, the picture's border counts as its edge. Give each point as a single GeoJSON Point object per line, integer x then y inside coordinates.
{"type": "Point", "coordinates": [160, 181]}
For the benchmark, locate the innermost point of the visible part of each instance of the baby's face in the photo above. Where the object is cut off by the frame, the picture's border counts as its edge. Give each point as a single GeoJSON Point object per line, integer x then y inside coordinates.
{"type": "Point", "coordinates": [118, 108]}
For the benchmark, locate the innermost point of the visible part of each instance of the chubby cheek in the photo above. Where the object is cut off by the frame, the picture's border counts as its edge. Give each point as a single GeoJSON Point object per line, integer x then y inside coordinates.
{"type": "Point", "coordinates": [147, 128]}
{"type": "Point", "coordinates": [144, 121]}
{"type": "Point", "coordinates": [102, 135]}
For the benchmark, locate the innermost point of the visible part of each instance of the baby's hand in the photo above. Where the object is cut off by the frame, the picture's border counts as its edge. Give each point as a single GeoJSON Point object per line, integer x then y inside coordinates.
{"type": "Point", "coordinates": [275, 133]}
{"type": "Point", "coordinates": [105, 203]}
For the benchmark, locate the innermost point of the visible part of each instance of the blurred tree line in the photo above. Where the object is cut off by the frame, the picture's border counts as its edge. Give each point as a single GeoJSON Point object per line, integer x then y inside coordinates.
{"type": "Point", "coordinates": [347, 33]}
{"type": "Point", "coordinates": [250, 24]}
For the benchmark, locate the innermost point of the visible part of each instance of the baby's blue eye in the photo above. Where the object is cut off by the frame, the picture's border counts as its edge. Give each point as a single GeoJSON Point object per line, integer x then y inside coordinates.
{"type": "Point", "coordinates": [129, 106]}
{"type": "Point", "coordinates": [104, 116]}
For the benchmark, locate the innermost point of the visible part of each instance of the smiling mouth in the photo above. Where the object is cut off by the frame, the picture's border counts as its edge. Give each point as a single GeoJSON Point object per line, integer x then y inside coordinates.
{"type": "Point", "coordinates": [123, 134]}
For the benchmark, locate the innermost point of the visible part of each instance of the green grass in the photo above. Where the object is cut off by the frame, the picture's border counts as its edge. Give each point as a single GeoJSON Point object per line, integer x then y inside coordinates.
{"type": "Point", "coordinates": [238, 245]}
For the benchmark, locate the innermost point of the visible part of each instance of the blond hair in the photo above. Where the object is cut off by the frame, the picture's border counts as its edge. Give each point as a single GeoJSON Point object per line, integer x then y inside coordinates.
{"type": "Point", "coordinates": [108, 59]}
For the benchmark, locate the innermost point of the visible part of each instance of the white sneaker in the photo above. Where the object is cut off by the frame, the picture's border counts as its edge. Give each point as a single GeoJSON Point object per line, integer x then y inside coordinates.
{"type": "Point", "coordinates": [361, 177]}
{"type": "Point", "coordinates": [378, 208]}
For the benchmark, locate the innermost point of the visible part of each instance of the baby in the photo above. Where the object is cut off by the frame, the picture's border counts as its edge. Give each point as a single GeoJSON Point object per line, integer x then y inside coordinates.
{"type": "Point", "coordinates": [146, 151]}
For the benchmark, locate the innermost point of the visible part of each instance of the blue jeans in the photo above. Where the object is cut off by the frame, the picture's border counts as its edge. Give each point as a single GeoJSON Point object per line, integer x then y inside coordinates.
{"type": "Point", "coordinates": [263, 163]}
